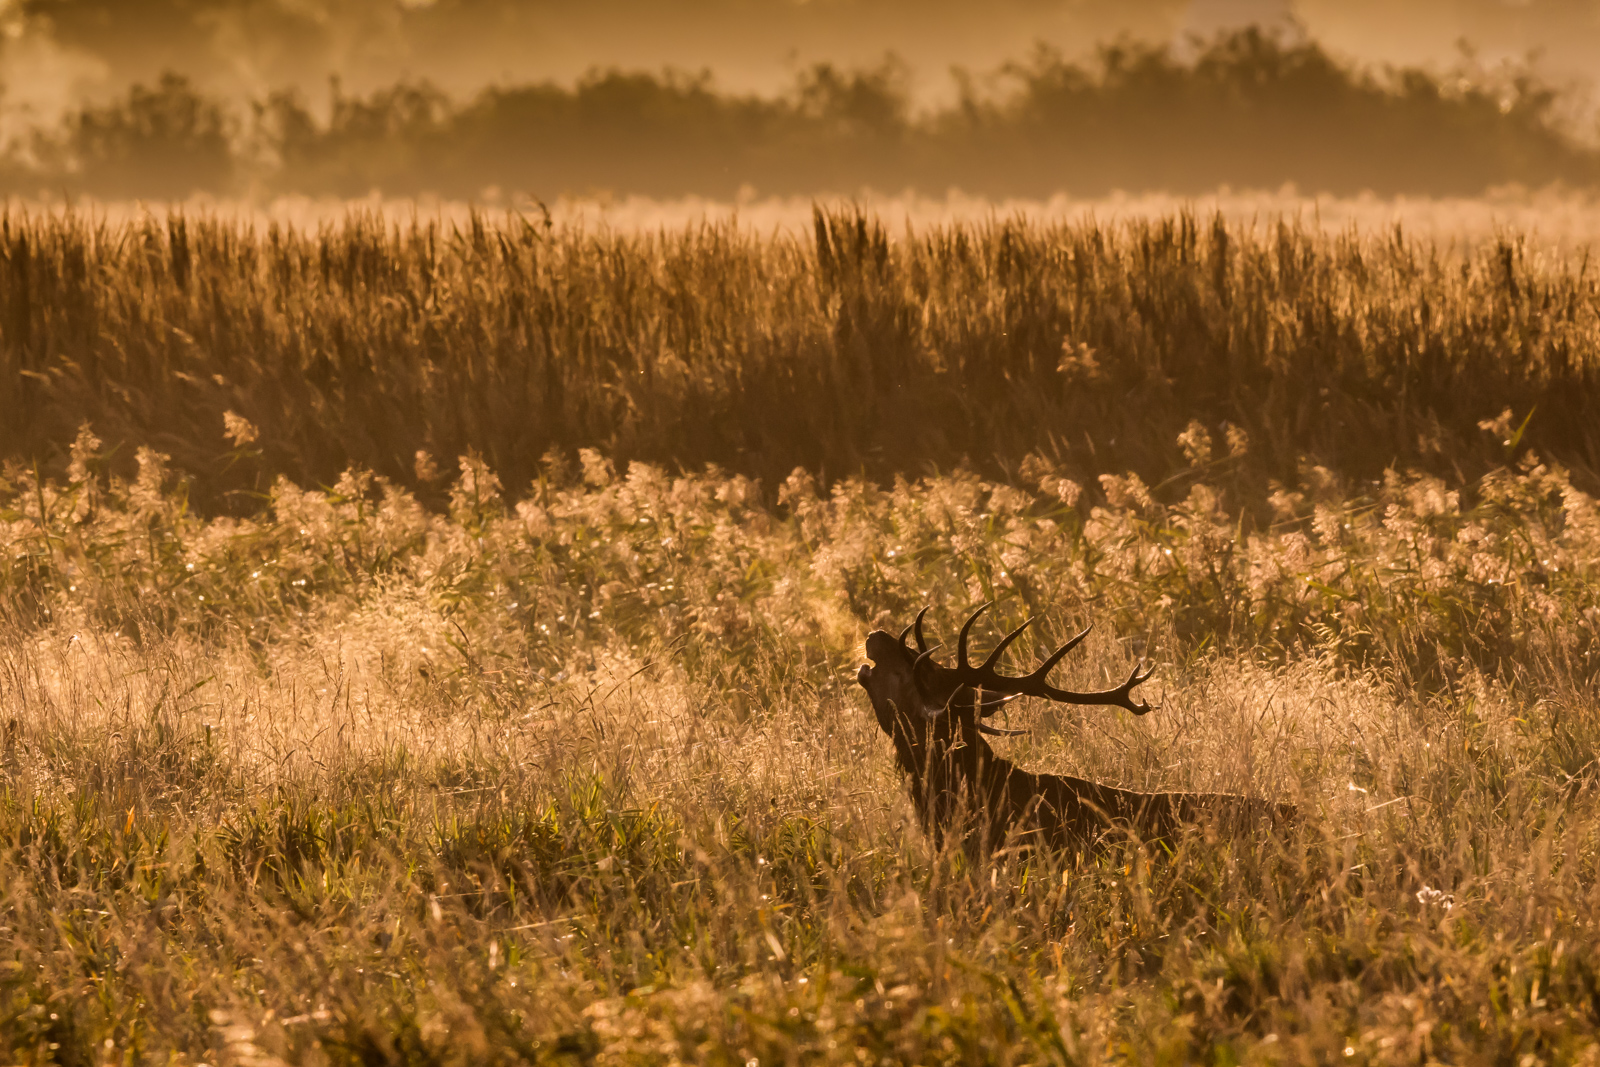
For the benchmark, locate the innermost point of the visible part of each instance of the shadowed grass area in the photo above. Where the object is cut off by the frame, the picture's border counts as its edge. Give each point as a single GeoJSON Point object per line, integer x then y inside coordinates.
{"type": "Point", "coordinates": [579, 774]}
{"type": "Point", "coordinates": [848, 351]}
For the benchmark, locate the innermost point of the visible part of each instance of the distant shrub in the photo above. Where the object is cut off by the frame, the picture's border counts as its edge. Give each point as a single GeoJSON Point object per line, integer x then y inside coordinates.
{"type": "Point", "coordinates": [155, 143]}
{"type": "Point", "coordinates": [1248, 111]}
{"type": "Point", "coordinates": [1255, 112]}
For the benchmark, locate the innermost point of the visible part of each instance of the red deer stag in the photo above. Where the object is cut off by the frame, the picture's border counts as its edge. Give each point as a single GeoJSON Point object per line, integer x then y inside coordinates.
{"type": "Point", "coordinates": [934, 715]}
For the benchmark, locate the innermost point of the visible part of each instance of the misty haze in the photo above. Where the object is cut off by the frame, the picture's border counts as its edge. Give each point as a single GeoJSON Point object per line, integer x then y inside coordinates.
{"type": "Point", "coordinates": [799, 531]}
{"type": "Point", "coordinates": [481, 100]}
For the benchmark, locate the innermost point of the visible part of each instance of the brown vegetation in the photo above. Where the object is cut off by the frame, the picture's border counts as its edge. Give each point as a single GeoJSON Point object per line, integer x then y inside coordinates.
{"type": "Point", "coordinates": [548, 755]}
{"type": "Point", "coordinates": [1248, 112]}
{"type": "Point", "coordinates": [843, 351]}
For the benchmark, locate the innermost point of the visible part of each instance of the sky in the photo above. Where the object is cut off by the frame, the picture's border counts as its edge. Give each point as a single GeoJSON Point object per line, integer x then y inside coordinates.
{"type": "Point", "coordinates": [56, 51]}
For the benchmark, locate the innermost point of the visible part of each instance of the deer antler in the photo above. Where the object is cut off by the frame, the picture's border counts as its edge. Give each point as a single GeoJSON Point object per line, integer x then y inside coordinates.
{"type": "Point", "coordinates": [991, 702]}
{"type": "Point", "coordinates": [985, 677]}
{"type": "Point", "coordinates": [922, 642]}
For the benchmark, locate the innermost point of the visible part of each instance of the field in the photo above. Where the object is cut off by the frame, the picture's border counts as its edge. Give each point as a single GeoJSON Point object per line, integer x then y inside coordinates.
{"type": "Point", "coordinates": [434, 642]}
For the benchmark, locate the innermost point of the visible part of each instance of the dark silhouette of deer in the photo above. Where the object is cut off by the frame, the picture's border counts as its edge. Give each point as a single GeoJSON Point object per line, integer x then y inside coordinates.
{"type": "Point", "coordinates": [934, 715]}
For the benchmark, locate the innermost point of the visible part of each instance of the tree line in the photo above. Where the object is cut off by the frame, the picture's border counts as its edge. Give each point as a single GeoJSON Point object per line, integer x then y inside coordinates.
{"type": "Point", "coordinates": [1247, 110]}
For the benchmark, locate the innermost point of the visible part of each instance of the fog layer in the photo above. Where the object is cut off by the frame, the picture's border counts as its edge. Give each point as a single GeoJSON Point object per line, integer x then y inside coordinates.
{"type": "Point", "coordinates": [59, 50]}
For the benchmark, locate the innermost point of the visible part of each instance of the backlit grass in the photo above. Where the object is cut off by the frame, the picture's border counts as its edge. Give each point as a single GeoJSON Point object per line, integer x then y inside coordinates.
{"type": "Point", "coordinates": [578, 773]}
{"type": "Point", "coordinates": [848, 349]}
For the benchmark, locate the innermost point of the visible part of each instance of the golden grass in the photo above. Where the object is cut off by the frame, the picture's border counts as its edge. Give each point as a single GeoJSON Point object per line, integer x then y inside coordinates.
{"type": "Point", "coordinates": [578, 774]}
{"type": "Point", "coordinates": [1555, 220]}
{"type": "Point", "coordinates": [848, 349]}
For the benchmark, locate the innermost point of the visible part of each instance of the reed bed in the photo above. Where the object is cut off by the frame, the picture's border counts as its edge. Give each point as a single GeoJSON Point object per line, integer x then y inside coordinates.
{"type": "Point", "coordinates": [846, 350]}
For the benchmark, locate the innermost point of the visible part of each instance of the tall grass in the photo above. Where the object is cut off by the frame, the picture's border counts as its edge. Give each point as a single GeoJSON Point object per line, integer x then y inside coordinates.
{"type": "Point", "coordinates": [846, 351]}
{"type": "Point", "coordinates": [576, 773]}
{"type": "Point", "coordinates": [426, 644]}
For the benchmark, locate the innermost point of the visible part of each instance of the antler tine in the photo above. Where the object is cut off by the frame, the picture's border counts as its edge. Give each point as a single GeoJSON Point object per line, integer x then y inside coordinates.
{"type": "Point", "coordinates": [999, 650]}
{"type": "Point", "coordinates": [1035, 683]}
{"type": "Point", "coordinates": [997, 689]}
{"type": "Point", "coordinates": [966, 630]}
{"type": "Point", "coordinates": [903, 635]}
{"type": "Point", "coordinates": [1044, 668]}
{"type": "Point", "coordinates": [1121, 696]}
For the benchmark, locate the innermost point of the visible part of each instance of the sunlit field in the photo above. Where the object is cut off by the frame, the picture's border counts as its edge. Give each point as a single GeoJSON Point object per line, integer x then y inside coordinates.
{"type": "Point", "coordinates": [1556, 220]}
{"type": "Point", "coordinates": [432, 640]}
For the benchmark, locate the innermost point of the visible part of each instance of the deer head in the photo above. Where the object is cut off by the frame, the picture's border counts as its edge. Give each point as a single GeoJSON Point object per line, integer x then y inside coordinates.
{"type": "Point", "coordinates": [917, 700]}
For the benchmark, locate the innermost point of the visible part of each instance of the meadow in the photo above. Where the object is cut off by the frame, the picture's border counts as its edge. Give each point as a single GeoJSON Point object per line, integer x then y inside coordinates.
{"type": "Point", "coordinates": [435, 644]}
